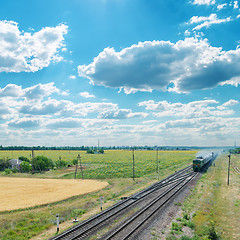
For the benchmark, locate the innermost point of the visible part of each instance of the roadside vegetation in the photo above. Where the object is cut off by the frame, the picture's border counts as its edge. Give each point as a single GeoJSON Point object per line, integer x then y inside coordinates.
{"type": "Point", "coordinates": [212, 211]}
{"type": "Point", "coordinates": [114, 166]}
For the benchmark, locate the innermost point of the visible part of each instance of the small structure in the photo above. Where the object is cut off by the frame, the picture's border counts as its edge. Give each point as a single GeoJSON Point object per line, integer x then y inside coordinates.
{"type": "Point", "coordinates": [15, 163]}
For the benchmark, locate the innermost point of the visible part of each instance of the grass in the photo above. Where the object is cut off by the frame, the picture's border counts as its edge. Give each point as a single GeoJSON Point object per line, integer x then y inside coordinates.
{"type": "Point", "coordinates": [115, 167]}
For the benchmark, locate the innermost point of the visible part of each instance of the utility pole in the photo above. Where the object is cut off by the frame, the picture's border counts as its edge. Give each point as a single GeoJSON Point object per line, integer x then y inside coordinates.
{"type": "Point", "coordinates": [157, 162]}
{"type": "Point", "coordinates": [79, 158]}
{"type": "Point", "coordinates": [76, 169]}
{"type": "Point", "coordinates": [133, 165]}
{"type": "Point", "coordinates": [229, 157]}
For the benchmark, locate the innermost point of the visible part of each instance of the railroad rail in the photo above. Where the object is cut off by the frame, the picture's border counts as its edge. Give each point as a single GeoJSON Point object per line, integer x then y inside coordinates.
{"type": "Point", "coordinates": [236, 169]}
{"type": "Point", "coordinates": [89, 227]}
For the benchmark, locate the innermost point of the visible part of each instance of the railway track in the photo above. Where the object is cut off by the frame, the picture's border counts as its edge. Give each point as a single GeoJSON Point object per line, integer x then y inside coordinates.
{"type": "Point", "coordinates": [236, 169]}
{"type": "Point", "coordinates": [138, 201]}
{"type": "Point", "coordinates": [127, 229]}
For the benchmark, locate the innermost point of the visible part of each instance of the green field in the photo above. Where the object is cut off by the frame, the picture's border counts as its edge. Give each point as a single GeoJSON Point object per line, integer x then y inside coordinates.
{"type": "Point", "coordinates": [113, 163]}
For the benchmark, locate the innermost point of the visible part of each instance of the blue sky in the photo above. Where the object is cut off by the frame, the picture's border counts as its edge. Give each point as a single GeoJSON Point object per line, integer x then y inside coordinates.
{"type": "Point", "coordinates": [126, 72]}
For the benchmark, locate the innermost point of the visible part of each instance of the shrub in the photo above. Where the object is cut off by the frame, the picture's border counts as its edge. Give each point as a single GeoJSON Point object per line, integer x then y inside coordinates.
{"type": "Point", "coordinates": [90, 151]}
{"type": "Point", "coordinates": [25, 166]}
{"type": "Point", "coordinates": [61, 163]}
{"type": "Point", "coordinates": [25, 159]}
{"type": "Point", "coordinates": [7, 171]}
{"type": "Point", "coordinates": [186, 216]}
{"type": "Point", "coordinates": [4, 164]}
{"type": "Point", "coordinates": [14, 170]}
{"type": "Point", "coordinates": [101, 151]}
{"type": "Point", "coordinates": [176, 226]}
{"type": "Point", "coordinates": [212, 233]}
{"type": "Point", "coordinates": [41, 163]}
{"type": "Point", "coordinates": [74, 161]}
{"type": "Point", "coordinates": [190, 225]}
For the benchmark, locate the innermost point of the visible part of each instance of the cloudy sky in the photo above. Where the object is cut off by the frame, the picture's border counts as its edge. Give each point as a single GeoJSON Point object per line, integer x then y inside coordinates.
{"type": "Point", "coordinates": [126, 72]}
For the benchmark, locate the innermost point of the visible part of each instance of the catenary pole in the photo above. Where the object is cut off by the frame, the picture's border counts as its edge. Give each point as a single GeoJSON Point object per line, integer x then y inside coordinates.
{"type": "Point", "coordinates": [133, 166]}
{"type": "Point", "coordinates": [229, 157]}
{"type": "Point", "coordinates": [79, 157]}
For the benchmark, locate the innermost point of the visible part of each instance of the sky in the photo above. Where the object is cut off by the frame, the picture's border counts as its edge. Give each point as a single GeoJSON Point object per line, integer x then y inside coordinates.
{"type": "Point", "coordinates": [126, 72]}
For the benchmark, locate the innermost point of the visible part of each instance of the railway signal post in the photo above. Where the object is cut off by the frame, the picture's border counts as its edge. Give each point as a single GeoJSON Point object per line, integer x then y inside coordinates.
{"type": "Point", "coordinates": [101, 199]}
{"type": "Point", "coordinates": [57, 222]}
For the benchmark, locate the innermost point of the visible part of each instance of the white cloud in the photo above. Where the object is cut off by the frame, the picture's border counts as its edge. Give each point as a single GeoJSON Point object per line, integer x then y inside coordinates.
{"type": "Point", "coordinates": [24, 123]}
{"type": "Point", "coordinates": [188, 64]}
{"type": "Point", "coordinates": [231, 102]}
{"type": "Point", "coordinates": [26, 52]}
{"type": "Point", "coordinates": [235, 5]}
{"type": "Point", "coordinates": [40, 91]}
{"type": "Point", "coordinates": [72, 77]}
{"type": "Point", "coordinates": [207, 21]}
{"type": "Point", "coordinates": [11, 90]}
{"type": "Point", "coordinates": [221, 6]}
{"type": "Point", "coordinates": [196, 109]}
{"type": "Point", "coordinates": [86, 95]}
{"type": "Point", "coordinates": [121, 114]}
{"type": "Point", "coordinates": [204, 2]}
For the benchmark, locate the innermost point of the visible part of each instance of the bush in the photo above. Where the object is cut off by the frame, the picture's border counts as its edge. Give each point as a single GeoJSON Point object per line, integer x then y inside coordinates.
{"type": "Point", "coordinates": [186, 216]}
{"type": "Point", "coordinates": [15, 170]}
{"type": "Point", "coordinates": [74, 161]}
{"type": "Point", "coordinates": [190, 225]}
{"type": "Point", "coordinates": [25, 166]}
{"type": "Point", "coordinates": [61, 163]}
{"type": "Point", "coordinates": [4, 164]}
{"type": "Point", "coordinates": [24, 159]}
{"type": "Point", "coordinates": [101, 151]}
{"type": "Point", "coordinates": [212, 233]}
{"type": "Point", "coordinates": [176, 226]}
{"type": "Point", "coordinates": [90, 151]}
{"type": "Point", "coordinates": [41, 163]}
{"type": "Point", "coordinates": [7, 171]}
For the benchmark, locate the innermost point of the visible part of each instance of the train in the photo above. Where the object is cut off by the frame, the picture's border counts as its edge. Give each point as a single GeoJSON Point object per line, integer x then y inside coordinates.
{"type": "Point", "coordinates": [200, 162]}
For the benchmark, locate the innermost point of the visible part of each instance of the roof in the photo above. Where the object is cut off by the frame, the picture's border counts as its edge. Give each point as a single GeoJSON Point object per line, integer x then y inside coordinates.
{"type": "Point", "coordinates": [15, 161]}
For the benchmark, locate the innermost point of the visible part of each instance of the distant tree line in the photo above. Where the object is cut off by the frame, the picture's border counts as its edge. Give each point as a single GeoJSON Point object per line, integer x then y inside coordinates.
{"type": "Point", "coordinates": [94, 148]}
{"type": "Point", "coordinates": [235, 151]}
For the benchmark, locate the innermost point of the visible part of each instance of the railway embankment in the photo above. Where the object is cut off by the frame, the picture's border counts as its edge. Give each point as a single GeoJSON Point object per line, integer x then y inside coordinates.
{"type": "Point", "coordinates": [212, 210]}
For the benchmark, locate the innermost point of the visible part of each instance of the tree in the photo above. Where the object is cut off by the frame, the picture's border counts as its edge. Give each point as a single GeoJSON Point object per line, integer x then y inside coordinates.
{"type": "Point", "coordinates": [25, 166]}
{"type": "Point", "coordinates": [41, 163]}
{"type": "Point", "coordinates": [101, 151]}
{"type": "Point", "coordinates": [3, 164]}
{"type": "Point", "coordinates": [24, 159]}
{"type": "Point", "coordinates": [90, 151]}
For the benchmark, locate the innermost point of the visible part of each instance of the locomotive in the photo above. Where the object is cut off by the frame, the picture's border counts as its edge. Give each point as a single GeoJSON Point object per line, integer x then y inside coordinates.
{"type": "Point", "coordinates": [200, 161]}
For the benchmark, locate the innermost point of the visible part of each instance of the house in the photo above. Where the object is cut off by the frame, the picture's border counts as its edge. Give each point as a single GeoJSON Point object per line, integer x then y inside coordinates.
{"type": "Point", "coordinates": [15, 163]}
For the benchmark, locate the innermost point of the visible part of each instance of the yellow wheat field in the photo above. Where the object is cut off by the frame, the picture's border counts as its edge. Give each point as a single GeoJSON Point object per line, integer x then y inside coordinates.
{"type": "Point", "coordinates": [18, 193]}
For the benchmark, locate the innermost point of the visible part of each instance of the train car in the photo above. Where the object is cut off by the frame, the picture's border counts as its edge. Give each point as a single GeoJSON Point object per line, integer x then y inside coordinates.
{"type": "Point", "coordinates": [200, 161]}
